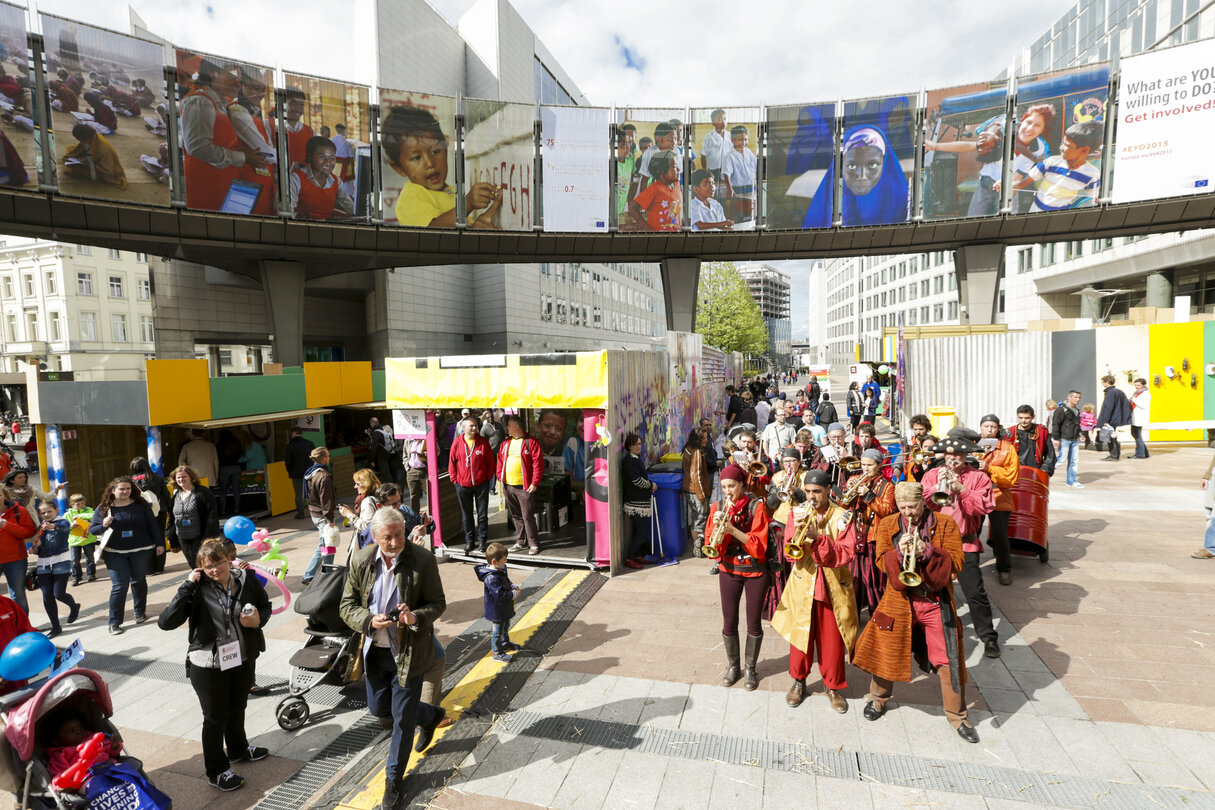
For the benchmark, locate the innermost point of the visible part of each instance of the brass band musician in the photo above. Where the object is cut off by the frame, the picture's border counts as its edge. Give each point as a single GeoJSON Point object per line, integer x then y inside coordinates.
{"type": "Point", "coordinates": [870, 498]}
{"type": "Point", "coordinates": [786, 492]}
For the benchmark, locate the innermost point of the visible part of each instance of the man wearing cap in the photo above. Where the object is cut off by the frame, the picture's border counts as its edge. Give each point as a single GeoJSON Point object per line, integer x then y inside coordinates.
{"type": "Point", "coordinates": [818, 606]}
{"type": "Point", "coordinates": [743, 568]}
{"type": "Point", "coordinates": [1034, 447]}
{"type": "Point", "coordinates": [971, 497]}
{"type": "Point", "coordinates": [890, 640]}
{"type": "Point", "coordinates": [1003, 467]}
{"type": "Point", "coordinates": [873, 501]}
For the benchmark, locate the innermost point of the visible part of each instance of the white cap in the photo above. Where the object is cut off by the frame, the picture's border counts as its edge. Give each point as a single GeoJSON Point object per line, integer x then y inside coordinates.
{"type": "Point", "coordinates": [464, 412]}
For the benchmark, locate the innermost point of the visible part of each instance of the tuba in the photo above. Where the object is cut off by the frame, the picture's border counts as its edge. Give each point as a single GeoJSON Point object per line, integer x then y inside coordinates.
{"type": "Point", "coordinates": [908, 575]}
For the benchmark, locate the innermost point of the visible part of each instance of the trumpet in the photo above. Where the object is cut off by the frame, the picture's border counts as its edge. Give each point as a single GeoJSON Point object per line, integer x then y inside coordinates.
{"type": "Point", "coordinates": [715, 546]}
{"type": "Point", "coordinates": [850, 464]}
{"type": "Point", "coordinates": [795, 547]}
{"type": "Point", "coordinates": [920, 457]}
{"type": "Point", "coordinates": [853, 490]}
{"type": "Point", "coordinates": [908, 575]}
{"type": "Point", "coordinates": [785, 493]}
{"type": "Point", "coordinates": [944, 494]}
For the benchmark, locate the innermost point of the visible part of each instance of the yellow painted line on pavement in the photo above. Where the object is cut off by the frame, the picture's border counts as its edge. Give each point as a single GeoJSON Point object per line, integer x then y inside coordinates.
{"type": "Point", "coordinates": [472, 685]}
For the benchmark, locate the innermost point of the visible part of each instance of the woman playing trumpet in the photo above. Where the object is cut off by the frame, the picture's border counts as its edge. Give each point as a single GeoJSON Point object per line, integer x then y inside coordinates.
{"type": "Point", "coordinates": [743, 566]}
{"type": "Point", "coordinates": [870, 498]}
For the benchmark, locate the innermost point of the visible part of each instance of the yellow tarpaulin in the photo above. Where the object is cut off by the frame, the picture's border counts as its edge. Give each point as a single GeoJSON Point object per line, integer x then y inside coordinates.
{"type": "Point", "coordinates": [567, 380]}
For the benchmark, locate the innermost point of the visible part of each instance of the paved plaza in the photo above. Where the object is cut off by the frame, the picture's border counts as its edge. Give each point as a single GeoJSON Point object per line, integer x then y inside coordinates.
{"type": "Point", "coordinates": [1097, 701]}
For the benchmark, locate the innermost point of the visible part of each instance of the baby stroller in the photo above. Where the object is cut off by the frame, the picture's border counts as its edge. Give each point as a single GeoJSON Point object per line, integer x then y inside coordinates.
{"type": "Point", "coordinates": [326, 655]}
{"type": "Point", "coordinates": [29, 719]}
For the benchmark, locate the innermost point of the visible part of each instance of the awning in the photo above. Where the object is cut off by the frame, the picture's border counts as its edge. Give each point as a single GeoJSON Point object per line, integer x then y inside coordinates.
{"type": "Point", "coordinates": [278, 416]}
{"type": "Point", "coordinates": [366, 406]}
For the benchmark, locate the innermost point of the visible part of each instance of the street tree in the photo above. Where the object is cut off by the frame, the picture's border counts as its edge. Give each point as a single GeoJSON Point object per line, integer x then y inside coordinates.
{"type": "Point", "coordinates": [726, 315]}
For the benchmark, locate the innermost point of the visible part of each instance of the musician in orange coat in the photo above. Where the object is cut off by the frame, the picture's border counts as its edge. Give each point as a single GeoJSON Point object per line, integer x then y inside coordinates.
{"type": "Point", "coordinates": [874, 500]}
{"type": "Point", "coordinates": [917, 620]}
{"type": "Point", "coordinates": [743, 568]}
{"type": "Point", "coordinates": [1003, 466]}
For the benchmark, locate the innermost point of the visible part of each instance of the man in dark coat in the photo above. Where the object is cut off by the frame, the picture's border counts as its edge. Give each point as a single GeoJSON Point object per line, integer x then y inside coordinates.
{"type": "Point", "coordinates": [826, 411]}
{"type": "Point", "coordinates": [297, 460]}
{"type": "Point", "coordinates": [1115, 412]}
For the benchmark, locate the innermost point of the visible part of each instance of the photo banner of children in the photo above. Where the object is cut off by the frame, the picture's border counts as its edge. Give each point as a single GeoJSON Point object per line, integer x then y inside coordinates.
{"type": "Point", "coordinates": [576, 192]}
{"type": "Point", "coordinates": [1053, 170]}
{"type": "Point", "coordinates": [559, 431]}
{"type": "Point", "coordinates": [500, 151]}
{"type": "Point", "coordinates": [964, 150]}
{"type": "Point", "coordinates": [329, 146]}
{"type": "Point", "coordinates": [18, 164]}
{"type": "Point", "coordinates": [653, 197]}
{"type": "Point", "coordinates": [103, 86]}
{"type": "Point", "coordinates": [228, 160]}
{"type": "Point", "coordinates": [725, 174]}
{"type": "Point", "coordinates": [1165, 115]}
{"type": "Point", "coordinates": [878, 160]}
{"type": "Point", "coordinates": [801, 154]}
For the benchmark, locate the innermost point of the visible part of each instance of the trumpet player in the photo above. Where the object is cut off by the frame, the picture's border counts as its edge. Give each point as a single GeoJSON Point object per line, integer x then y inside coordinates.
{"type": "Point", "coordinates": [786, 493]}
{"type": "Point", "coordinates": [971, 496]}
{"type": "Point", "coordinates": [870, 498]}
{"type": "Point", "coordinates": [817, 610]}
{"type": "Point", "coordinates": [1003, 467]}
{"type": "Point", "coordinates": [757, 469]}
{"type": "Point", "coordinates": [833, 452]}
{"type": "Point", "coordinates": [916, 619]}
{"type": "Point", "coordinates": [743, 568]}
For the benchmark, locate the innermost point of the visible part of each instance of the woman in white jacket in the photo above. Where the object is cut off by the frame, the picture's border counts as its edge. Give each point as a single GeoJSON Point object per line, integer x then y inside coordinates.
{"type": "Point", "coordinates": [365, 485]}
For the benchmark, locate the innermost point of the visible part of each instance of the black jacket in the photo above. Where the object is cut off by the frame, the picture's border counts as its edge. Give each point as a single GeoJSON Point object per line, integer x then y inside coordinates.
{"type": "Point", "coordinates": [1065, 424]}
{"type": "Point", "coordinates": [297, 458]}
{"type": "Point", "coordinates": [632, 470]}
{"type": "Point", "coordinates": [187, 605]}
{"type": "Point", "coordinates": [1115, 408]}
{"type": "Point", "coordinates": [827, 413]}
{"type": "Point", "coordinates": [208, 516]}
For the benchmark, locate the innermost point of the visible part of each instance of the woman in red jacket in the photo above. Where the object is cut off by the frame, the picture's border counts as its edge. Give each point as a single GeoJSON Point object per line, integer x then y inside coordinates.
{"type": "Point", "coordinates": [520, 467]}
{"type": "Point", "coordinates": [15, 528]}
{"type": "Point", "coordinates": [470, 465]}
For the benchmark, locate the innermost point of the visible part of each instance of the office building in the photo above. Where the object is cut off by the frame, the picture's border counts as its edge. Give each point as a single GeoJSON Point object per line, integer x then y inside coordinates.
{"type": "Point", "coordinates": [771, 290]}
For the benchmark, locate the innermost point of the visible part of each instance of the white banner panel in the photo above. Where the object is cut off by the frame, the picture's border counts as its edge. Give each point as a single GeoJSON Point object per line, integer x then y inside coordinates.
{"type": "Point", "coordinates": [1166, 112]}
{"type": "Point", "coordinates": [574, 144]}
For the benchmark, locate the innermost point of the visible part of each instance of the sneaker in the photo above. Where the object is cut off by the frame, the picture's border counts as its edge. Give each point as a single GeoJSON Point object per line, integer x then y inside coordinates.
{"type": "Point", "coordinates": [92, 577]}
{"type": "Point", "coordinates": [227, 781]}
{"type": "Point", "coordinates": [1203, 554]}
{"type": "Point", "coordinates": [516, 547]}
{"type": "Point", "coordinates": [253, 754]}
{"type": "Point", "coordinates": [1005, 577]}
{"type": "Point", "coordinates": [532, 552]}
{"type": "Point", "coordinates": [76, 582]}
{"type": "Point", "coordinates": [1076, 485]}
{"type": "Point", "coordinates": [54, 631]}
{"type": "Point", "coordinates": [116, 630]}
{"type": "Point", "coordinates": [140, 618]}
{"type": "Point", "coordinates": [714, 570]}
{"type": "Point", "coordinates": [501, 658]}
{"type": "Point", "coordinates": [74, 613]}
{"type": "Point", "coordinates": [511, 647]}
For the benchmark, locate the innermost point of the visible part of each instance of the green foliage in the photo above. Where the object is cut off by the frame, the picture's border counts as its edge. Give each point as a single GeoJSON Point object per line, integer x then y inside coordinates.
{"type": "Point", "coordinates": [726, 315]}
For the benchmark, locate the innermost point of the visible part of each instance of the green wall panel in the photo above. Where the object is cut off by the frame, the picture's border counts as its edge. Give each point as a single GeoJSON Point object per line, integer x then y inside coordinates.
{"type": "Point", "coordinates": [251, 396]}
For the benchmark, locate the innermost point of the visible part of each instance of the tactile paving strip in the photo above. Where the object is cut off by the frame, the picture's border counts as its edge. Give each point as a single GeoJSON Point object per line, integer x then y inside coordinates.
{"type": "Point", "coordinates": [1036, 788]}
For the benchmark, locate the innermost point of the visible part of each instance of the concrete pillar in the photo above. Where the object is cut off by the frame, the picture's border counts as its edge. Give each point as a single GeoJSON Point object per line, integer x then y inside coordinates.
{"type": "Point", "coordinates": [1090, 307]}
{"type": "Point", "coordinates": [979, 269]}
{"type": "Point", "coordinates": [283, 285]}
{"type": "Point", "coordinates": [1159, 290]}
{"type": "Point", "coordinates": [680, 286]}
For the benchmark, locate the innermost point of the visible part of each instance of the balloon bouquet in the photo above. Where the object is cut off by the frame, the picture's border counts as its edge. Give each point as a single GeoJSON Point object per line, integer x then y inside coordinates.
{"type": "Point", "coordinates": [241, 531]}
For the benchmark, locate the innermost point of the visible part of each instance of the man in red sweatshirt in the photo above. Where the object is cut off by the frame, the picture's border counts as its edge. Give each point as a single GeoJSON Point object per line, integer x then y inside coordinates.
{"type": "Point", "coordinates": [470, 466]}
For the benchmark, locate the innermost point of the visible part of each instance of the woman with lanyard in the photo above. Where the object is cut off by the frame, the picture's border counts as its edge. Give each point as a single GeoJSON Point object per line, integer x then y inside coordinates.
{"type": "Point", "coordinates": [192, 514]}
{"type": "Point", "coordinates": [637, 493]}
{"type": "Point", "coordinates": [226, 609]}
{"type": "Point", "coordinates": [130, 537]}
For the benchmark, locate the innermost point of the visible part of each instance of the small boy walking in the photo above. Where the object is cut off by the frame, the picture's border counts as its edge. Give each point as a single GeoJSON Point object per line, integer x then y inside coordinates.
{"type": "Point", "coordinates": [499, 600]}
{"type": "Point", "coordinates": [79, 540]}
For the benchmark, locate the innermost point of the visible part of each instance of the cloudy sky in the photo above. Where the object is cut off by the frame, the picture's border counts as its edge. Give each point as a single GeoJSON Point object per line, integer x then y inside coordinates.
{"type": "Point", "coordinates": [661, 53]}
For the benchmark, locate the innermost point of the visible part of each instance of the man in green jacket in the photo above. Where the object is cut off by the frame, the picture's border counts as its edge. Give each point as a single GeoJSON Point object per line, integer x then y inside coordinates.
{"type": "Point", "coordinates": [393, 596]}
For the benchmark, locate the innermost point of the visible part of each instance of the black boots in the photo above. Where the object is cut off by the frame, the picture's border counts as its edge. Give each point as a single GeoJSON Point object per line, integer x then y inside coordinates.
{"type": "Point", "coordinates": [733, 673]}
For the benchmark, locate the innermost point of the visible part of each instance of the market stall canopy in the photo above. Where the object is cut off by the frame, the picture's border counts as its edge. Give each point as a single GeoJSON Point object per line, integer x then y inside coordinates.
{"type": "Point", "coordinates": [235, 421]}
{"type": "Point", "coordinates": [559, 380]}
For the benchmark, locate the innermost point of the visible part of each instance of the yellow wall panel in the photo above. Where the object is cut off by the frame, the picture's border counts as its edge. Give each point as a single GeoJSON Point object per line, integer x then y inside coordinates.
{"type": "Point", "coordinates": [281, 492]}
{"type": "Point", "coordinates": [178, 391]}
{"type": "Point", "coordinates": [356, 383]}
{"type": "Point", "coordinates": [323, 384]}
{"type": "Point", "coordinates": [1176, 400]}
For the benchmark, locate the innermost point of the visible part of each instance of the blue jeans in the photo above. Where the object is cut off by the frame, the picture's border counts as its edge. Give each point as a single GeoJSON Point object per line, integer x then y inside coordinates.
{"type": "Point", "coordinates": [1141, 450]}
{"type": "Point", "coordinates": [14, 575]}
{"type": "Point", "coordinates": [499, 637]}
{"type": "Point", "coordinates": [318, 559]}
{"type": "Point", "coordinates": [387, 698]}
{"type": "Point", "coordinates": [1208, 539]}
{"type": "Point", "coordinates": [1069, 453]}
{"type": "Point", "coordinates": [127, 571]}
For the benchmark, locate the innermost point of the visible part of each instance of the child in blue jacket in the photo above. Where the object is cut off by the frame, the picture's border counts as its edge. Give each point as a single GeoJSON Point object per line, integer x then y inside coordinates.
{"type": "Point", "coordinates": [499, 600]}
{"type": "Point", "coordinates": [54, 565]}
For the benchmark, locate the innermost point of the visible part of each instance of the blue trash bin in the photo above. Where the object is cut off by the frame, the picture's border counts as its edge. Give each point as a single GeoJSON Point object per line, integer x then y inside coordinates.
{"type": "Point", "coordinates": [668, 509]}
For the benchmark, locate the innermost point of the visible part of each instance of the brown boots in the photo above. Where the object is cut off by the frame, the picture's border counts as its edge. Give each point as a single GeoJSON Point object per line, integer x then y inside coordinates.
{"type": "Point", "coordinates": [732, 673]}
{"type": "Point", "coordinates": [750, 660]}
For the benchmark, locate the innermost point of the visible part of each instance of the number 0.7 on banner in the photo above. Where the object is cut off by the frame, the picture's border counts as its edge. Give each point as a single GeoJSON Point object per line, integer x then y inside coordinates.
{"type": "Point", "coordinates": [576, 181]}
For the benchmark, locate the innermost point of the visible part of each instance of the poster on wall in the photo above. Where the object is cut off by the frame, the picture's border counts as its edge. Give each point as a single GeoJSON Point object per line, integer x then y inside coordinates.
{"type": "Point", "coordinates": [801, 156]}
{"type": "Point", "coordinates": [878, 159]}
{"type": "Point", "coordinates": [724, 176]}
{"type": "Point", "coordinates": [228, 159]}
{"type": "Point", "coordinates": [499, 161]}
{"type": "Point", "coordinates": [416, 163]}
{"type": "Point", "coordinates": [559, 431]}
{"type": "Point", "coordinates": [18, 165]}
{"type": "Point", "coordinates": [653, 200]}
{"type": "Point", "coordinates": [107, 113]}
{"type": "Point", "coordinates": [576, 193]}
{"type": "Point", "coordinates": [327, 124]}
{"type": "Point", "coordinates": [964, 150]}
{"type": "Point", "coordinates": [409, 423]}
{"type": "Point", "coordinates": [1053, 170]}
{"type": "Point", "coordinates": [1166, 111]}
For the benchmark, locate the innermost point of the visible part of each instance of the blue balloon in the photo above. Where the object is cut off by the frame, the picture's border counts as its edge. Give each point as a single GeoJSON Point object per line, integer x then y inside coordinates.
{"type": "Point", "coordinates": [26, 656]}
{"type": "Point", "coordinates": [239, 529]}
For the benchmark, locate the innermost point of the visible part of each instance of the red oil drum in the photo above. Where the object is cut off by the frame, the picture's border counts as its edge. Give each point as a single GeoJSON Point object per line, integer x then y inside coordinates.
{"type": "Point", "coordinates": [1027, 523]}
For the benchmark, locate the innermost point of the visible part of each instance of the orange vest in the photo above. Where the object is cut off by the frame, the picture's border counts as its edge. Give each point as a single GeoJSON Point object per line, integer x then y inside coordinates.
{"type": "Point", "coordinates": [266, 204]}
{"type": "Point", "coordinates": [206, 186]}
{"type": "Point", "coordinates": [297, 143]}
{"type": "Point", "coordinates": [314, 202]}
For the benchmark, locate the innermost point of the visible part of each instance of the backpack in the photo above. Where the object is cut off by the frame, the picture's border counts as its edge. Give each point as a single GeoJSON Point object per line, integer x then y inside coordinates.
{"type": "Point", "coordinates": [364, 534]}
